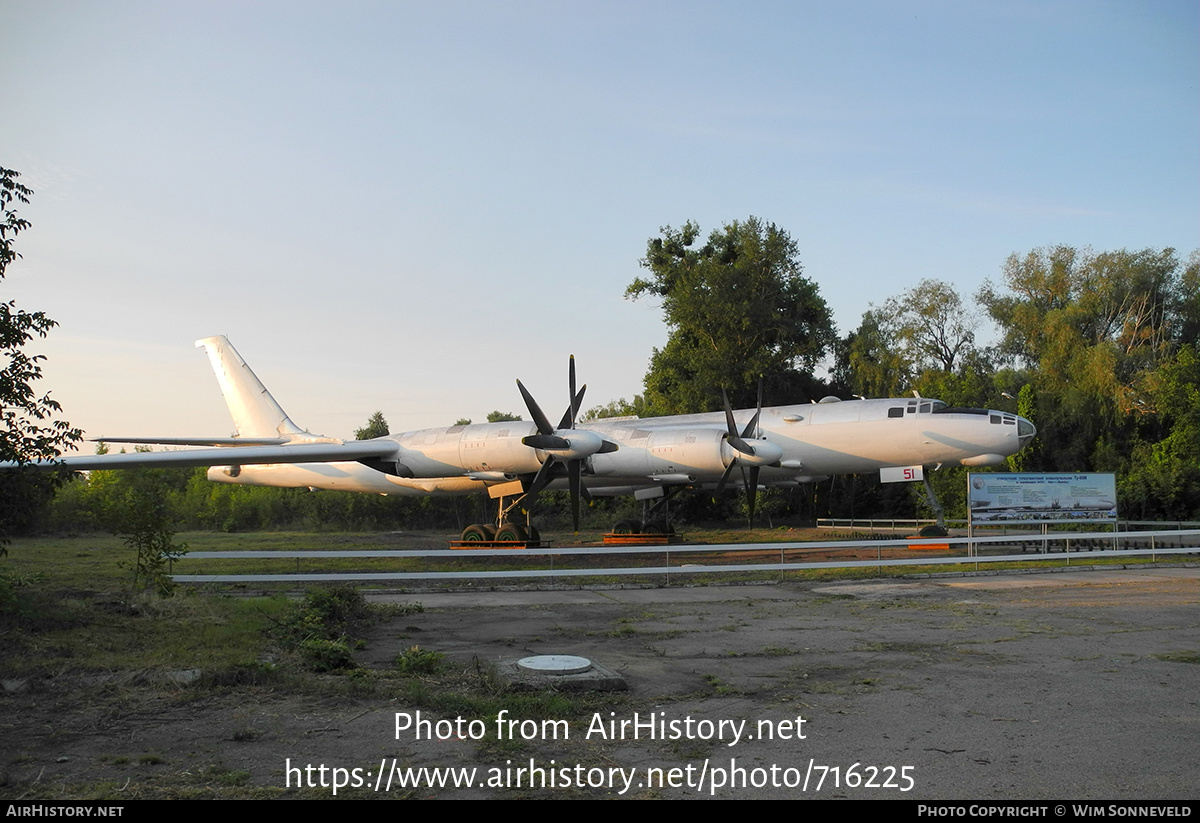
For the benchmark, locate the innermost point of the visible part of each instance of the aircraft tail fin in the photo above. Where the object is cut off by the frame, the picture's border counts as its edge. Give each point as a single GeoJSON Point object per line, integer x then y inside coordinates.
{"type": "Point", "coordinates": [255, 412]}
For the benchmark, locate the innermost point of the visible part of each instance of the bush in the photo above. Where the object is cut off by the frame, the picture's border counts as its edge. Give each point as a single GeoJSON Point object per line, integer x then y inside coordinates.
{"type": "Point", "coordinates": [415, 660]}
{"type": "Point", "coordinates": [323, 655]}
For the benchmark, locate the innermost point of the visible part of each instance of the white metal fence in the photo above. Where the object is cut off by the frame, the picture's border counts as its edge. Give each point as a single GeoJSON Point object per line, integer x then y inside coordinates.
{"type": "Point", "coordinates": [688, 560]}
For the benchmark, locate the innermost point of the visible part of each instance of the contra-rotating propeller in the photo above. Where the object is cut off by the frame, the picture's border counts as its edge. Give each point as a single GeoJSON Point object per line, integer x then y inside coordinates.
{"type": "Point", "coordinates": [566, 447]}
{"type": "Point", "coordinates": [749, 456]}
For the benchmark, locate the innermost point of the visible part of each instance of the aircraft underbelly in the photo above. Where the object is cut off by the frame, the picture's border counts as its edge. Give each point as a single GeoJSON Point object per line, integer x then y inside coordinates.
{"type": "Point", "coordinates": [350, 477]}
{"type": "Point", "coordinates": [338, 476]}
{"type": "Point", "coordinates": [842, 448]}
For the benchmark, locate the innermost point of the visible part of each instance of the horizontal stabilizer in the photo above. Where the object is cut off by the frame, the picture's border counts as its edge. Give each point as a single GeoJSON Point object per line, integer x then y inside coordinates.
{"type": "Point", "coordinates": [194, 441]}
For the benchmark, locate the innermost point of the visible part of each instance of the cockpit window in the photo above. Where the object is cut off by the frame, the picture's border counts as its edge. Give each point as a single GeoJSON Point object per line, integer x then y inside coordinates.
{"type": "Point", "coordinates": [896, 411]}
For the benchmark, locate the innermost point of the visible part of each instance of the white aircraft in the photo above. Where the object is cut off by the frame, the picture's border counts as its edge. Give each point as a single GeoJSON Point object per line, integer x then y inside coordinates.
{"type": "Point", "coordinates": [648, 458]}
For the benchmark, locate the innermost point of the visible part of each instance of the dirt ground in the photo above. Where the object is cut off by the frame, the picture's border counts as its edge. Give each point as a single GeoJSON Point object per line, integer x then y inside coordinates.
{"type": "Point", "coordinates": [1069, 685]}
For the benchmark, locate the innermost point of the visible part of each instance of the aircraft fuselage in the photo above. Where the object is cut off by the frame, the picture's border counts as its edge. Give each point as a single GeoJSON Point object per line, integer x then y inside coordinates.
{"type": "Point", "coordinates": [819, 439]}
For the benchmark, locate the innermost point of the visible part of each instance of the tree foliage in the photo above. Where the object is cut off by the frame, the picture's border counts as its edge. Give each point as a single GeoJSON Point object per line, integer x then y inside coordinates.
{"type": "Point", "coordinates": [926, 328]}
{"type": "Point", "coordinates": [376, 426]}
{"type": "Point", "coordinates": [737, 308]}
{"type": "Point", "coordinates": [29, 430]}
{"type": "Point", "coordinates": [871, 362]}
{"type": "Point", "coordinates": [933, 325]}
{"type": "Point", "coordinates": [617, 408]}
{"type": "Point", "coordinates": [140, 511]}
{"type": "Point", "coordinates": [1089, 322]}
{"type": "Point", "coordinates": [1100, 334]}
{"type": "Point", "coordinates": [1097, 349]}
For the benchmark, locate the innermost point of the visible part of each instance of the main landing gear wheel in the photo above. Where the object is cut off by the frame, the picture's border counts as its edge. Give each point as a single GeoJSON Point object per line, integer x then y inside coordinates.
{"type": "Point", "coordinates": [627, 527]}
{"type": "Point", "coordinates": [511, 533]}
{"type": "Point", "coordinates": [478, 533]}
{"type": "Point", "coordinates": [654, 527]}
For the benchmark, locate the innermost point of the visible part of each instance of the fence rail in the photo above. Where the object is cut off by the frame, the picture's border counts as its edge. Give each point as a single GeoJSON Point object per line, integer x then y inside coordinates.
{"type": "Point", "coordinates": [895, 523]}
{"type": "Point", "coordinates": [977, 550]}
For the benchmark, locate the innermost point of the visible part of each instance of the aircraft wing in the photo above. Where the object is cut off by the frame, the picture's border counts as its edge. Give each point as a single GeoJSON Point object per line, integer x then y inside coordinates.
{"type": "Point", "coordinates": [240, 456]}
{"type": "Point", "coordinates": [195, 441]}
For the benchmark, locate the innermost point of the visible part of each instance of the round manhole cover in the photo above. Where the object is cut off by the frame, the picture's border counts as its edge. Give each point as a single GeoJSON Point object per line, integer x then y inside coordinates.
{"type": "Point", "coordinates": [555, 664]}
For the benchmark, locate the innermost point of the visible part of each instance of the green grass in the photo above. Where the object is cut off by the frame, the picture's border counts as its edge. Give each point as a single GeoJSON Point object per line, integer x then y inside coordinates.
{"type": "Point", "coordinates": [415, 660]}
{"type": "Point", "coordinates": [1180, 657]}
{"type": "Point", "coordinates": [69, 633]}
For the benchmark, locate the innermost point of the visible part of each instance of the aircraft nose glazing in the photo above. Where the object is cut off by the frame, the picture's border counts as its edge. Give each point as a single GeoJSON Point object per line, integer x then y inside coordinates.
{"type": "Point", "coordinates": [1025, 430]}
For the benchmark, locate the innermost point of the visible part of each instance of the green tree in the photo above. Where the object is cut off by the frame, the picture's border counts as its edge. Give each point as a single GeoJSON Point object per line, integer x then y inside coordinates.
{"type": "Point", "coordinates": [617, 408]}
{"type": "Point", "coordinates": [931, 324]}
{"type": "Point", "coordinates": [737, 308]}
{"type": "Point", "coordinates": [927, 328]}
{"type": "Point", "coordinates": [1187, 307]}
{"type": "Point", "coordinates": [376, 427]}
{"type": "Point", "coordinates": [1162, 478]}
{"type": "Point", "coordinates": [29, 431]}
{"type": "Point", "coordinates": [1112, 372]}
{"type": "Point", "coordinates": [1093, 321]}
{"type": "Point", "coordinates": [140, 512]}
{"type": "Point", "coordinates": [501, 417]}
{"type": "Point", "coordinates": [871, 362]}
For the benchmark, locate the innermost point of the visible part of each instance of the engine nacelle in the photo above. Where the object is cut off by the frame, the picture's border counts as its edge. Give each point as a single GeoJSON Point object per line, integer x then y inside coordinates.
{"type": "Point", "coordinates": [676, 452]}
{"type": "Point", "coordinates": [481, 447]}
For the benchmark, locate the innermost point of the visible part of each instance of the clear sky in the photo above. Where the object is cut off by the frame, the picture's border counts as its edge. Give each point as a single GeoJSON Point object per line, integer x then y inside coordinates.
{"type": "Point", "coordinates": [406, 205]}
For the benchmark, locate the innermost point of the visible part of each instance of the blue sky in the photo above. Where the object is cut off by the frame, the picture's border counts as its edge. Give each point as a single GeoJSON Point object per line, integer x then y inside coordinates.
{"type": "Point", "coordinates": [405, 206]}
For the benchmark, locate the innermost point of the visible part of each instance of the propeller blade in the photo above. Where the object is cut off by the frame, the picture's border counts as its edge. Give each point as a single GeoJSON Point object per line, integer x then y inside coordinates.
{"type": "Point", "coordinates": [535, 411]}
{"type": "Point", "coordinates": [571, 383]}
{"type": "Point", "coordinates": [574, 484]}
{"type": "Point", "coordinates": [735, 439]}
{"type": "Point", "coordinates": [548, 439]}
{"type": "Point", "coordinates": [751, 492]}
{"type": "Point", "coordinates": [725, 476]}
{"type": "Point", "coordinates": [751, 429]}
{"type": "Point", "coordinates": [539, 482]}
{"type": "Point", "coordinates": [568, 420]}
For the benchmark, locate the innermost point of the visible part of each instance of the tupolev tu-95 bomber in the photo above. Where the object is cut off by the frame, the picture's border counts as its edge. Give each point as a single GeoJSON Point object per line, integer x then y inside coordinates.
{"type": "Point", "coordinates": [516, 460]}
